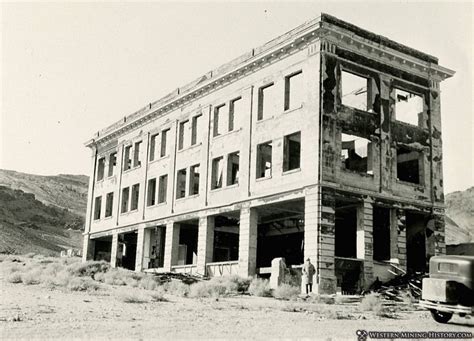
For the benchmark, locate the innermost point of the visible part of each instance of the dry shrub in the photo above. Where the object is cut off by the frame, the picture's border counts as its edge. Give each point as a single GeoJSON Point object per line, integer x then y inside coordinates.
{"type": "Point", "coordinates": [14, 277]}
{"type": "Point", "coordinates": [31, 277]}
{"type": "Point", "coordinates": [132, 298]}
{"type": "Point", "coordinates": [233, 283]}
{"type": "Point", "coordinates": [373, 302]}
{"type": "Point", "coordinates": [88, 269]}
{"type": "Point", "coordinates": [177, 288]}
{"type": "Point", "coordinates": [259, 287]}
{"type": "Point", "coordinates": [286, 292]}
{"type": "Point", "coordinates": [207, 289]}
{"type": "Point", "coordinates": [119, 276]}
{"type": "Point", "coordinates": [82, 284]}
{"type": "Point", "coordinates": [148, 283]}
{"type": "Point", "coordinates": [159, 295]}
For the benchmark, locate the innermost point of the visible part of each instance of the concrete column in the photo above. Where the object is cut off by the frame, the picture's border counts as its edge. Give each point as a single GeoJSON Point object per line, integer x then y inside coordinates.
{"type": "Point", "coordinates": [365, 240]}
{"type": "Point", "coordinates": [171, 245]}
{"type": "Point", "coordinates": [311, 233]}
{"type": "Point", "coordinates": [113, 252]}
{"type": "Point", "coordinates": [402, 239]}
{"type": "Point", "coordinates": [248, 241]}
{"type": "Point", "coordinates": [439, 235]}
{"type": "Point", "coordinates": [88, 248]}
{"type": "Point", "coordinates": [140, 248]}
{"type": "Point", "coordinates": [394, 237]}
{"type": "Point", "coordinates": [326, 263]}
{"type": "Point", "coordinates": [205, 243]}
{"type": "Point", "coordinates": [146, 248]}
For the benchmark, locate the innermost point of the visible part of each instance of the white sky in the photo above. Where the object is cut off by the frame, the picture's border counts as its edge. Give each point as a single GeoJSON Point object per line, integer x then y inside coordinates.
{"type": "Point", "coordinates": [68, 70]}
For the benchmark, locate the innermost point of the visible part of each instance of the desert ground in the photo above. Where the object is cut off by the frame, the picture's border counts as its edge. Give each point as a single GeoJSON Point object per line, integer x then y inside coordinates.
{"type": "Point", "coordinates": [42, 309]}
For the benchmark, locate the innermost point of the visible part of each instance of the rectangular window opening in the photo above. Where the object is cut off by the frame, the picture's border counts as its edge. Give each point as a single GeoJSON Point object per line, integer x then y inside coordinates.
{"type": "Point", "coordinates": [151, 192]}
{"type": "Point", "coordinates": [294, 91]}
{"type": "Point", "coordinates": [109, 203]}
{"type": "Point", "coordinates": [196, 129]}
{"type": "Point", "coordinates": [266, 100]}
{"type": "Point", "coordinates": [97, 207]}
{"type": "Point", "coordinates": [264, 160]}
{"type": "Point", "coordinates": [234, 110]}
{"type": "Point", "coordinates": [127, 161]}
{"type": "Point", "coordinates": [136, 154]}
{"type": "Point", "coordinates": [233, 169]}
{"type": "Point", "coordinates": [125, 199]}
{"type": "Point", "coordinates": [217, 172]}
{"type": "Point", "coordinates": [194, 180]}
{"type": "Point", "coordinates": [181, 184]}
{"type": "Point", "coordinates": [354, 91]}
{"type": "Point", "coordinates": [408, 165]}
{"type": "Point", "coordinates": [408, 107]}
{"type": "Point", "coordinates": [218, 120]}
{"type": "Point", "coordinates": [183, 134]}
{"type": "Point", "coordinates": [135, 196]}
{"type": "Point", "coordinates": [163, 188]}
{"type": "Point", "coordinates": [112, 163]}
{"type": "Point", "coordinates": [292, 152]}
{"type": "Point", "coordinates": [101, 169]}
{"type": "Point", "coordinates": [356, 154]}
{"type": "Point", "coordinates": [164, 140]}
{"type": "Point", "coordinates": [381, 233]}
{"type": "Point", "coordinates": [153, 142]}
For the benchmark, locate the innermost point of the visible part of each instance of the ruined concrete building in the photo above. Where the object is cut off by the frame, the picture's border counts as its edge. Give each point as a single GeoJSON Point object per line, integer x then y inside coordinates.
{"type": "Point", "coordinates": [323, 143]}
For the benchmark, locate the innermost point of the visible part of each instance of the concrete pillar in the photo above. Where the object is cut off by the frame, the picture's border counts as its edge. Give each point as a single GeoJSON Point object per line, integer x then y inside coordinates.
{"type": "Point", "coordinates": [205, 245]}
{"type": "Point", "coordinates": [326, 263]}
{"type": "Point", "coordinates": [140, 248]}
{"type": "Point", "coordinates": [439, 234]}
{"type": "Point", "coordinates": [113, 252]}
{"type": "Point", "coordinates": [311, 219]}
{"type": "Point", "coordinates": [171, 245]}
{"type": "Point", "coordinates": [365, 242]}
{"type": "Point", "coordinates": [88, 248]}
{"type": "Point", "coordinates": [248, 242]}
{"type": "Point", "coordinates": [394, 237]}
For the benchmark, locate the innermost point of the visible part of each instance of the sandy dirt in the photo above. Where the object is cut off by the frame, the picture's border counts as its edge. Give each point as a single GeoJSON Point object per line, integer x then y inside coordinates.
{"type": "Point", "coordinates": [55, 314]}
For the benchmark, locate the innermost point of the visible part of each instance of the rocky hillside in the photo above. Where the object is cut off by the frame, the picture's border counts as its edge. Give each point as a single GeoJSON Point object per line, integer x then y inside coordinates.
{"type": "Point", "coordinates": [460, 217]}
{"type": "Point", "coordinates": [64, 190]}
{"type": "Point", "coordinates": [42, 214]}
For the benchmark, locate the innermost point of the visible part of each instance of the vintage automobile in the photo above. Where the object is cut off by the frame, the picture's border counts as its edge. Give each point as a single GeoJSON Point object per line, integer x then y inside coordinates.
{"type": "Point", "coordinates": [450, 287]}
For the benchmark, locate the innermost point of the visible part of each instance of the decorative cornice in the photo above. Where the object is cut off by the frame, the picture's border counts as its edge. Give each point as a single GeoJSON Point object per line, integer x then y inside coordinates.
{"type": "Point", "coordinates": [299, 38]}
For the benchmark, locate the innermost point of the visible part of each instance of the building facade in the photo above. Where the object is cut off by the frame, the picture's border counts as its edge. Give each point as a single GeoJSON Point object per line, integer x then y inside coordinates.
{"type": "Point", "coordinates": [324, 143]}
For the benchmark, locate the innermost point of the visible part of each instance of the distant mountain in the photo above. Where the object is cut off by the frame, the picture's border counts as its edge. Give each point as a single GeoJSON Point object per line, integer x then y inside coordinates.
{"type": "Point", "coordinates": [42, 214]}
{"type": "Point", "coordinates": [460, 217]}
{"type": "Point", "coordinates": [64, 190]}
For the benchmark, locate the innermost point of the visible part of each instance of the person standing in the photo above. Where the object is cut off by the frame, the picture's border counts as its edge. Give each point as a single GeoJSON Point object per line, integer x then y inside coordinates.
{"type": "Point", "coordinates": [307, 275]}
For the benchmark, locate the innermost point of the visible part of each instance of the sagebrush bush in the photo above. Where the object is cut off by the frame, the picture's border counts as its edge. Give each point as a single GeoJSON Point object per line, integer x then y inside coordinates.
{"type": "Point", "coordinates": [286, 292]}
{"type": "Point", "coordinates": [133, 298]}
{"type": "Point", "coordinates": [177, 288]}
{"type": "Point", "coordinates": [14, 277]}
{"type": "Point", "coordinates": [372, 302]}
{"type": "Point", "coordinates": [148, 283]}
{"type": "Point", "coordinates": [82, 284]}
{"type": "Point", "coordinates": [233, 284]}
{"type": "Point", "coordinates": [259, 287]}
{"type": "Point", "coordinates": [31, 277]}
{"type": "Point", "coordinates": [207, 289]}
{"type": "Point", "coordinates": [88, 269]}
{"type": "Point", "coordinates": [159, 295]}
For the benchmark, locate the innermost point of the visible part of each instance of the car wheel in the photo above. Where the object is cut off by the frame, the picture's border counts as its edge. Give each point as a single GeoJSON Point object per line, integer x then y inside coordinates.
{"type": "Point", "coordinates": [441, 316]}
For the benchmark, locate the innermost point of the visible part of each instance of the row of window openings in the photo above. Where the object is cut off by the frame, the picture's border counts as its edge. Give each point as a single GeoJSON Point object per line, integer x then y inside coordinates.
{"type": "Point", "coordinates": [356, 156]}
{"type": "Point", "coordinates": [356, 94]}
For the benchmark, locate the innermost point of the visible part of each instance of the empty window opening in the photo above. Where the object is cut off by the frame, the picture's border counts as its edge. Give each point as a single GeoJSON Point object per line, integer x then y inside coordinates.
{"type": "Point", "coordinates": [164, 145]}
{"type": "Point", "coordinates": [109, 204]}
{"type": "Point", "coordinates": [354, 91]}
{"type": "Point", "coordinates": [163, 188]}
{"type": "Point", "coordinates": [235, 110]}
{"type": "Point", "coordinates": [266, 101]}
{"type": "Point", "coordinates": [181, 184]}
{"type": "Point", "coordinates": [217, 172]}
{"type": "Point", "coordinates": [155, 252]}
{"type": "Point", "coordinates": [226, 239]}
{"type": "Point", "coordinates": [127, 161]}
{"type": "Point", "coordinates": [264, 160]}
{"type": "Point", "coordinates": [356, 154]}
{"type": "Point", "coordinates": [127, 250]}
{"type": "Point", "coordinates": [136, 154]}
{"type": "Point", "coordinates": [346, 229]}
{"type": "Point", "coordinates": [97, 208]}
{"type": "Point", "coordinates": [408, 165]}
{"type": "Point", "coordinates": [416, 242]}
{"type": "Point", "coordinates": [292, 152]}
{"type": "Point", "coordinates": [381, 233]}
{"type": "Point", "coordinates": [194, 180]}
{"type": "Point", "coordinates": [294, 91]}
{"type": "Point", "coordinates": [196, 129]}
{"type": "Point", "coordinates": [183, 135]}
{"type": "Point", "coordinates": [102, 248]}
{"type": "Point", "coordinates": [135, 196]}
{"type": "Point", "coordinates": [408, 107]}
{"type": "Point", "coordinates": [188, 237]}
{"type": "Point", "coordinates": [101, 169]}
{"type": "Point", "coordinates": [153, 145]}
{"type": "Point", "coordinates": [112, 163]}
{"type": "Point", "coordinates": [218, 121]}
{"type": "Point", "coordinates": [125, 199]}
{"type": "Point", "coordinates": [151, 192]}
{"type": "Point", "coordinates": [233, 169]}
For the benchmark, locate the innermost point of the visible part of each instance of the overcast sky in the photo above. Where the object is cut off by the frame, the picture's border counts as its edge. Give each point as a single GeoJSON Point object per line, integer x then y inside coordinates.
{"type": "Point", "coordinates": [68, 70]}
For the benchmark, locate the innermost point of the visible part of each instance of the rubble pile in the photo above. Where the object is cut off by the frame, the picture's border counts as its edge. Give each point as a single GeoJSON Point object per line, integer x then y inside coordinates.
{"type": "Point", "coordinates": [400, 286]}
